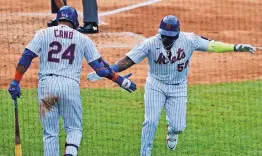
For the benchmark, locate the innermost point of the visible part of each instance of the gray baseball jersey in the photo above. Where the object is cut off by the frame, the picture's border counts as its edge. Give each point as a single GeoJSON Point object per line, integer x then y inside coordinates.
{"type": "Point", "coordinates": [166, 84]}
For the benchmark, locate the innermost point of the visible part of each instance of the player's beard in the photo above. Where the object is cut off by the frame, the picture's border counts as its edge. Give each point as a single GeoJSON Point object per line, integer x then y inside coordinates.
{"type": "Point", "coordinates": [168, 41]}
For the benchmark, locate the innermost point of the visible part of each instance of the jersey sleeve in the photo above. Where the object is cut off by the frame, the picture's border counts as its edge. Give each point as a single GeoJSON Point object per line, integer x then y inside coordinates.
{"type": "Point", "coordinates": [90, 51]}
{"type": "Point", "coordinates": [199, 43]}
{"type": "Point", "coordinates": [35, 44]}
{"type": "Point", "coordinates": [138, 53]}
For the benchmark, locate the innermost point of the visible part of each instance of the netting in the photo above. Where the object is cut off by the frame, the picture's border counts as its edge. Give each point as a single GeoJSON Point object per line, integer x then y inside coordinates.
{"type": "Point", "coordinates": [224, 99]}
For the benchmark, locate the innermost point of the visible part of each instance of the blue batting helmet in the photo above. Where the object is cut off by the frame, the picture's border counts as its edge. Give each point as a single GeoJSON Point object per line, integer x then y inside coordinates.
{"type": "Point", "coordinates": [68, 13]}
{"type": "Point", "coordinates": [169, 26]}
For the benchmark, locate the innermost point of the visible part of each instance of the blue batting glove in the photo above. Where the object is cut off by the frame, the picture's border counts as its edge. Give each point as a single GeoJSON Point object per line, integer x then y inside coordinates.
{"type": "Point", "coordinates": [14, 90]}
{"type": "Point", "coordinates": [125, 83]}
{"type": "Point", "coordinates": [127, 76]}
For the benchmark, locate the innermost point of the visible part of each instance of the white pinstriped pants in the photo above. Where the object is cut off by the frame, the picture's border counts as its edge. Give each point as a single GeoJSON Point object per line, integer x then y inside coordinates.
{"type": "Point", "coordinates": [68, 107]}
{"type": "Point", "coordinates": [158, 95]}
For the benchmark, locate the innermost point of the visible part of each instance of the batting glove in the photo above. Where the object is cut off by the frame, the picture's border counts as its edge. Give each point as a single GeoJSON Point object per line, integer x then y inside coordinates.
{"type": "Point", "coordinates": [14, 90]}
{"type": "Point", "coordinates": [125, 83]}
{"type": "Point", "coordinates": [245, 47]}
{"type": "Point", "coordinates": [92, 76]}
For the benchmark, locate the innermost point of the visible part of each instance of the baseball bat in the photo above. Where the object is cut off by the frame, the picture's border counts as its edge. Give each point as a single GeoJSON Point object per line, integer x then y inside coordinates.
{"type": "Point", "coordinates": [18, 149]}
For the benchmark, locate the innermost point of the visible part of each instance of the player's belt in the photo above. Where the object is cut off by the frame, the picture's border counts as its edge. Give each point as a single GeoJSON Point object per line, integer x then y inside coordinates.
{"type": "Point", "coordinates": [175, 84]}
{"type": "Point", "coordinates": [51, 75]}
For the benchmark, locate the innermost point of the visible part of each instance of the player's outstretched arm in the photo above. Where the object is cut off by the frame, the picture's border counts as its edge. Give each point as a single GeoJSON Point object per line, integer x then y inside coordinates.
{"type": "Point", "coordinates": [103, 69]}
{"type": "Point", "coordinates": [121, 65]}
{"type": "Point", "coordinates": [216, 46]}
{"type": "Point", "coordinates": [22, 66]}
{"type": "Point", "coordinates": [220, 47]}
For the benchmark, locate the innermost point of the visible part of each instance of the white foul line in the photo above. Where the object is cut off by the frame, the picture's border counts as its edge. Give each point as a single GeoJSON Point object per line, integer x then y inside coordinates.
{"type": "Point", "coordinates": [128, 8]}
{"type": "Point", "coordinates": [81, 14]}
{"type": "Point", "coordinates": [34, 14]}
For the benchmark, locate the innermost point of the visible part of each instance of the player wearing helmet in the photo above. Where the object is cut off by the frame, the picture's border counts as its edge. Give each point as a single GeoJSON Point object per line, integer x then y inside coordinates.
{"type": "Point", "coordinates": [169, 54]}
{"type": "Point", "coordinates": [61, 50]}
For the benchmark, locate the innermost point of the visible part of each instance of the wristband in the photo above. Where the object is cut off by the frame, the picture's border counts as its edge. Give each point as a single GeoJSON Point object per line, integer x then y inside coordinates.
{"type": "Point", "coordinates": [119, 80]}
{"type": "Point", "coordinates": [18, 76]}
{"type": "Point", "coordinates": [235, 47]}
{"type": "Point", "coordinates": [114, 77]}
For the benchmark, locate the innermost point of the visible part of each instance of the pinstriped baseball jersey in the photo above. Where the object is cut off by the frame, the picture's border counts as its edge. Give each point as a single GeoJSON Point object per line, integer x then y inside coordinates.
{"type": "Point", "coordinates": [169, 70]}
{"type": "Point", "coordinates": [166, 84]}
{"type": "Point", "coordinates": [61, 51]}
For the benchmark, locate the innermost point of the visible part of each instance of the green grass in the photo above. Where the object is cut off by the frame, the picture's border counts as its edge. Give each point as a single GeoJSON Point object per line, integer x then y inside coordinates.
{"type": "Point", "coordinates": [222, 119]}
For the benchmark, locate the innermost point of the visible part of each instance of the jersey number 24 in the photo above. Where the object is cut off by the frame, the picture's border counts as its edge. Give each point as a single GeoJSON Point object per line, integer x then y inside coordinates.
{"type": "Point", "coordinates": [68, 54]}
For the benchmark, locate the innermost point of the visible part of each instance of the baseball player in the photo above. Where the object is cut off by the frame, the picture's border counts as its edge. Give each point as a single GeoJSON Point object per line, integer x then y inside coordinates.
{"type": "Point", "coordinates": [61, 50]}
{"type": "Point", "coordinates": [169, 55]}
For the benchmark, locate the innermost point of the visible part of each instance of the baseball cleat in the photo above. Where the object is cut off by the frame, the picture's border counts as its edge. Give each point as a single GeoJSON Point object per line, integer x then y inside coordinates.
{"type": "Point", "coordinates": [89, 28]}
{"type": "Point", "coordinates": [171, 140]}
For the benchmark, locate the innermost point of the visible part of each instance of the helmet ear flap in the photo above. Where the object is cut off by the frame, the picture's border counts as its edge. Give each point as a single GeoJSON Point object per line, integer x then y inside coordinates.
{"type": "Point", "coordinates": [77, 24]}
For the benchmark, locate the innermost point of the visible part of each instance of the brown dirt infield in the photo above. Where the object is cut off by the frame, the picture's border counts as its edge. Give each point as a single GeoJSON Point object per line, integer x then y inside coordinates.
{"type": "Point", "coordinates": [227, 20]}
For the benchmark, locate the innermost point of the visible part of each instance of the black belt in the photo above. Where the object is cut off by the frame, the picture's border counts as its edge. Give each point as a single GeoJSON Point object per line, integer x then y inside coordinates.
{"type": "Point", "coordinates": [175, 84]}
{"type": "Point", "coordinates": [51, 75]}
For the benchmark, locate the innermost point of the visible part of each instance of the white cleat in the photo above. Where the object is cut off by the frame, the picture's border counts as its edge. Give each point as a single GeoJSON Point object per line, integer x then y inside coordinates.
{"type": "Point", "coordinates": [171, 140]}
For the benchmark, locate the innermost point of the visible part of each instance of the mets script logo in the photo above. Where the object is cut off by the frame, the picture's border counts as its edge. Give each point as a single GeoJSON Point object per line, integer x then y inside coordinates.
{"type": "Point", "coordinates": [163, 60]}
